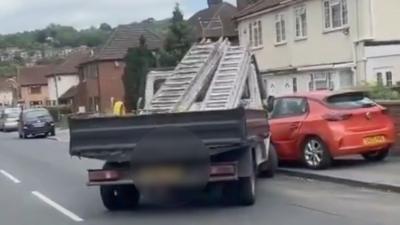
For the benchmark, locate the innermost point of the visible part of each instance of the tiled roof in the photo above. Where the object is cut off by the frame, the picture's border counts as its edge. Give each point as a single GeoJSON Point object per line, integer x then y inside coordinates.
{"type": "Point", "coordinates": [71, 63]}
{"type": "Point", "coordinates": [224, 11]}
{"type": "Point", "coordinates": [258, 6]}
{"type": "Point", "coordinates": [125, 37]}
{"type": "Point", "coordinates": [35, 75]}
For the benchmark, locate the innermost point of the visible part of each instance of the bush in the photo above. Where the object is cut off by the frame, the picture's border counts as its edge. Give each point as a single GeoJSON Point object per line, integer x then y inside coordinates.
{"type": "Point", "coordinates": [63, 110]}
{"type": "Point", "coordinates": [378, 92]}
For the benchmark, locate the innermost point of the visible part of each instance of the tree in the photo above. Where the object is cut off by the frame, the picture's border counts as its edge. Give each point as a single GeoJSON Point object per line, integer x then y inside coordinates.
{"type": "Point", "coordinates": [179, 38]}
{"type": "Point", "coordinates": [105, 27]}
{"type": "Point", "coordinates": [138, 61]}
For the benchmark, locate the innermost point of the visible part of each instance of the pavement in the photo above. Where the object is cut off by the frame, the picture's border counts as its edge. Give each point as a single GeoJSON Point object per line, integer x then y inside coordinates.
{"type": "Point", "coordinates": [41, 184]}
{"type": "Point", "coordinates": [355, 171]}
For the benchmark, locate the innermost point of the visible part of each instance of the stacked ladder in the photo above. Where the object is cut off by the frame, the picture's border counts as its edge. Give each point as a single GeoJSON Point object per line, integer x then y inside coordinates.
{"type": "Point", "coordinates": [181, 89]}
{"type": "Point", "coordinates": [229, 81]}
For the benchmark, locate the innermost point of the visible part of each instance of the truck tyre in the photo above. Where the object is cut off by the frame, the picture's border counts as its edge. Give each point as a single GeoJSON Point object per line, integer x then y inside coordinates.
{"type": "Point", "coordinates": [241, 192]}
{"type": "Point", "coordinates": [268, 168]}
{"type": "Point", "coordinates": [119, 197]}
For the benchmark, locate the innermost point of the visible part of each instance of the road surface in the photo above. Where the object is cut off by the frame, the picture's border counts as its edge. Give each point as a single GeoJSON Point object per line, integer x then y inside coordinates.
{"type": "Point", "coordinates": [40, 184]}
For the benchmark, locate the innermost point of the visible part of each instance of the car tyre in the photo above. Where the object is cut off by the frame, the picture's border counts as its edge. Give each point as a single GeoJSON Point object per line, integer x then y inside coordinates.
{"type": "Point", "coordinates": [268, 168]}
{"type": "Point", "coordinates": [315, 154]}
{"type": "Point", "coordinates": [376, 156]}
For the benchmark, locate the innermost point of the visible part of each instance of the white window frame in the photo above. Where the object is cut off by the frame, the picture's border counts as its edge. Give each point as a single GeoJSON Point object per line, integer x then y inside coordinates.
{"type": "Point", "coordinates": [384, 73]}
{"type": "Point", "coordinates": [322, 76]}
{"type": "Point", "coordinates": [300, 26]}
{"type": "Point", "coordinates": [344, 15]}
{"type": "Point", "coordinates": [280, 35]}
{"type": "Point", "coordinates": [255, 34]}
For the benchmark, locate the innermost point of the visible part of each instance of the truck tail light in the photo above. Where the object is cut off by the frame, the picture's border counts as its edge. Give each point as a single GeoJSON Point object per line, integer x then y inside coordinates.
{"type": "Point", "coordinates": [103, 175]}
{"type": "Point", "coordinates": [221, 170]}
{"type": "Point", "coordinates": [334, 117]}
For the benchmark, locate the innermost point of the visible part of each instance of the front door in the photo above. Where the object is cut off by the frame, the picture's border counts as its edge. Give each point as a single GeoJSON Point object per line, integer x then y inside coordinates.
{"type": "Point", "coordinates": [286, 121]}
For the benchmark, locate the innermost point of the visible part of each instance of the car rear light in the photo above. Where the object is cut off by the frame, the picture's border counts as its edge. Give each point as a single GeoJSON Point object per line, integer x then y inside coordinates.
{"type": "Point", "coordinates": [337, 116]}
{"type": "Point", "coordinates": [385, 111]}
{"type": "Point", "coordinates": [103, 175]}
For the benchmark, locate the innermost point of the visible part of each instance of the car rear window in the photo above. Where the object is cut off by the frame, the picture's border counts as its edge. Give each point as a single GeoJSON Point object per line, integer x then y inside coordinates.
{"type": "Point", "coordinates": [37, 114]}
{"type": "Point", "coordinates": [350, 101]}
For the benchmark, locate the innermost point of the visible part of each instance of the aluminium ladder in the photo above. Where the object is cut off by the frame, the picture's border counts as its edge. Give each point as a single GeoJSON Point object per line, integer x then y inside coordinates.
{"type": "Point", "coordinates": [181, 89]}
{"type": "Point", "coordinates": [230, 79]}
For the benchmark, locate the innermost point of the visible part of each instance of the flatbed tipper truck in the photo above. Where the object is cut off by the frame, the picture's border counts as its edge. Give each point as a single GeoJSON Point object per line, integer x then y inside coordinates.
{"type": "Point", "coordinates": [183, 143]}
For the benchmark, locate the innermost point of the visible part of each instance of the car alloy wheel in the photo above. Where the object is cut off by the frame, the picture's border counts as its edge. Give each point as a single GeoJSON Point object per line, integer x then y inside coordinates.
{"type": "Point", "coordinates": [313, 153]}
{"type": "Point", "coordinates": [316, 154]}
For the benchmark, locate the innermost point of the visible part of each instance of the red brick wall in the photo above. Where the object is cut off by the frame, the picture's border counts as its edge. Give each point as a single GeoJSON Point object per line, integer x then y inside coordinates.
{"type": "Point", "coordinates": [394, 111]}
{"type": "Point", "coordinates": [110, 84]}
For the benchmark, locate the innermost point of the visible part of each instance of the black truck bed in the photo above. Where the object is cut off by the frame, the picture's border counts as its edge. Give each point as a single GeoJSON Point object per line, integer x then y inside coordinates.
{"type": "Point", "coordinates": [114, 138]}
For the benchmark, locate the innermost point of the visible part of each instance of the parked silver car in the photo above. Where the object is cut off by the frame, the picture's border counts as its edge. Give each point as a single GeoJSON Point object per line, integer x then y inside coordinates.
{"type": "Point", "coordinates": [9, 119]}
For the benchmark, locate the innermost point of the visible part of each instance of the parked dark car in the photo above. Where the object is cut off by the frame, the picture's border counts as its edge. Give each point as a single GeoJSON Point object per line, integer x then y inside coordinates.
{"type": "Point", "coordinates": [36, 122]}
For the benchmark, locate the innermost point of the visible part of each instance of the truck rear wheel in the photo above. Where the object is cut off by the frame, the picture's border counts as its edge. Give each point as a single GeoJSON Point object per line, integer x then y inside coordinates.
{"type": "Point", "coordinates": [241, 192]}
{"type": "Point", "coordinates": [119, 197]}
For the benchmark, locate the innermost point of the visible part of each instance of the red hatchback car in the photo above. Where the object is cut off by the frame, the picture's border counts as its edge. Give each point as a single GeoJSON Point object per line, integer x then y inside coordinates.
{"type": "Point", "coordinates": [318, 126]}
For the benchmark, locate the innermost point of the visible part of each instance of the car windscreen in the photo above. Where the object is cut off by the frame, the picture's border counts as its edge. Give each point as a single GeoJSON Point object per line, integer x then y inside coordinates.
{"type": "Point", "coordinates": [38, 114]}
{"type": "Point", "coordinates": [350, 101]}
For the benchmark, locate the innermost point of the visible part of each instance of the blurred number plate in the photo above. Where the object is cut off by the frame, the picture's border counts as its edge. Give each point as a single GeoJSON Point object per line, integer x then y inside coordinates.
{"type": "Point", "coordinates": [38, 124]}
{"type": "Point", "coordinates": [160, 175]}
{"type": "Point", "coordinates": [374, 140]}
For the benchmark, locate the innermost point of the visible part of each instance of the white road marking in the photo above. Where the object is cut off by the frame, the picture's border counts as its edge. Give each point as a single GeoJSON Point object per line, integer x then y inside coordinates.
{"type": "Point", "coordinates": [9, 176]}
{"type": "Point", "coordinates": [58, 207]}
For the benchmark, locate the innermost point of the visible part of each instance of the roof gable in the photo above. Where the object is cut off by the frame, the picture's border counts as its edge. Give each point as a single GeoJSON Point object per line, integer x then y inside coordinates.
{"type": "Point", "coordinates": [224, 11]}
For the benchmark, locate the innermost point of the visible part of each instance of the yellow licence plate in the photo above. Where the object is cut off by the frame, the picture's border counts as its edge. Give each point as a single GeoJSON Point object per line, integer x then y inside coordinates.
{"type": "Point", "coordinates": [375, 140]}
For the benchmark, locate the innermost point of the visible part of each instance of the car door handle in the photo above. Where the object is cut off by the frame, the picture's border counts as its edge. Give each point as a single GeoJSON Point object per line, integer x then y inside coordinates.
{"type": "Point", "coordinates": [294, 125]}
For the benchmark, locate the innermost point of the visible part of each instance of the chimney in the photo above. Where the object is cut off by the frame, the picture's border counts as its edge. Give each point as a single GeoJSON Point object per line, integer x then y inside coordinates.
{"type": "Point", "coordinates": [213, 2]}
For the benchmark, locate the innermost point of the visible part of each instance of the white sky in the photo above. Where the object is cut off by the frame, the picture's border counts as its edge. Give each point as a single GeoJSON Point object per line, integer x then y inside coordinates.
{"type": "Point", "coordinates": [21, 15]}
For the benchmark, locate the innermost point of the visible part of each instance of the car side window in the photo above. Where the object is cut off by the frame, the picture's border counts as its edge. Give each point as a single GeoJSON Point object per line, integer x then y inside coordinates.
{"type": "Point", "coordinates": [287, 107]}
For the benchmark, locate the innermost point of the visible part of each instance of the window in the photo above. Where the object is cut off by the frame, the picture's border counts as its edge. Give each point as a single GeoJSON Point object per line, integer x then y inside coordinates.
{"type": "Point", "coordinates": [389, 79]}
{"type": "Point", "coordinates": [294, 84]}
{"type": "Point", "coordinates": [379, 79]}
{"type": "Point", "coordinates": [255, 34]}
{"type": "Point", "coordinates": [286, 107]}
{"type": "Point", "coordinates": [280, 28]}
{"type": "Point", "coordinates": [301, 22]}
{"type": "Point", "coordinates": [384, 77]}
{"type": "Point", "coordinates": [321, 81]}
{"type": "Point", "coordinates": [36, 90]}
{"type": "Point", "coordinates": [336, 14]}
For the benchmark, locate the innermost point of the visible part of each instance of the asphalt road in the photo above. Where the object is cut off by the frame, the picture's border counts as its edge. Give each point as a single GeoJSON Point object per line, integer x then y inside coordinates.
{"type": "Point", "coordinates": [41, 185]}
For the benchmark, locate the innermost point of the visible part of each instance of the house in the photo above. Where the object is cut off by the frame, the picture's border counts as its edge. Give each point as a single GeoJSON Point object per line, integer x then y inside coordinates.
{"type": "Point", "coordinates": [6, 92]}
{"type": "Point", "coordinates": [100, 82]}
{"type": "Point", "coordinates": [65, 75]}
{"type": "Point", "coordinates": [33, 85]}
{"type": "Point", "coordinates": [215, 21]}
{"type": "Point", "coordinates": [305, 45]}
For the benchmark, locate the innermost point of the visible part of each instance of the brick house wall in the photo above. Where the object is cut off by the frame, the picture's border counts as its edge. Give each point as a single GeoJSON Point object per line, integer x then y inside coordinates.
{"type": "Point", "coordinates": [111, 86]}
{"type": "Point", "coordinates": [27, 97]}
